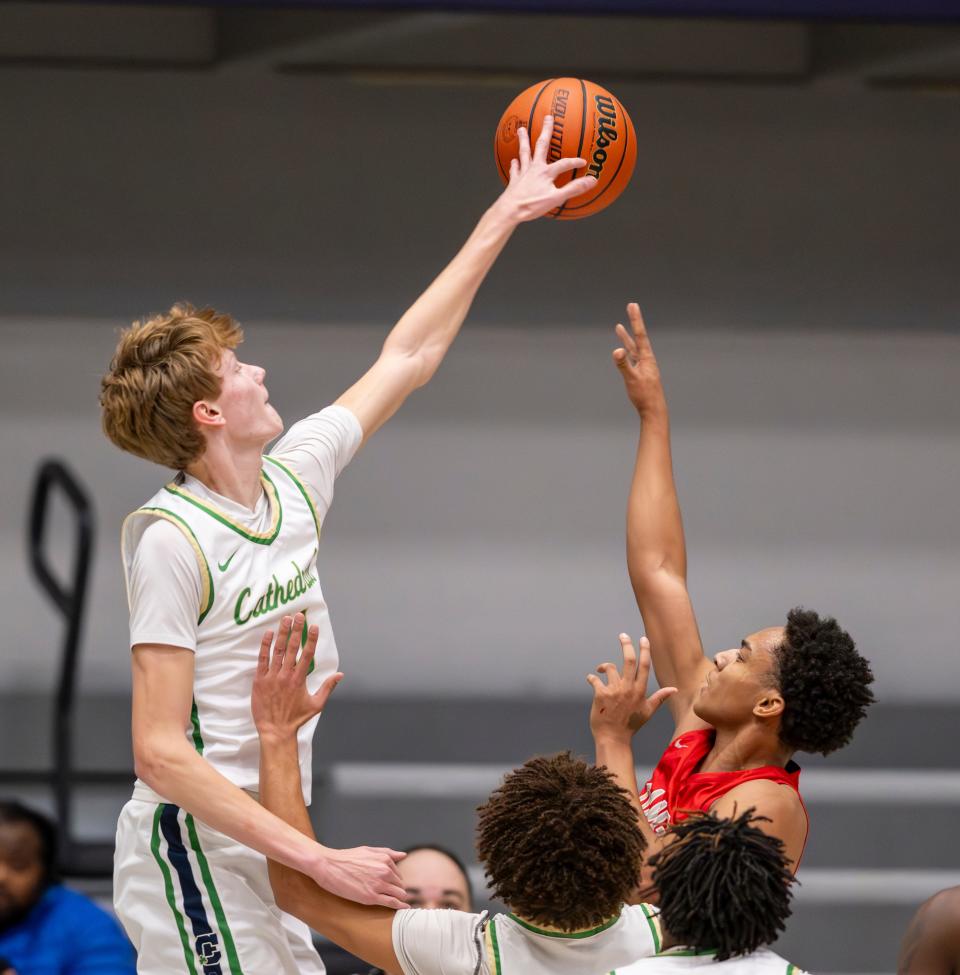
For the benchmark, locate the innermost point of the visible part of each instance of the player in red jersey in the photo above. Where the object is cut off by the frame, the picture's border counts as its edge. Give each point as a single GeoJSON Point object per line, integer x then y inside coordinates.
{"type": "Point", "coordinates": [740, 716]}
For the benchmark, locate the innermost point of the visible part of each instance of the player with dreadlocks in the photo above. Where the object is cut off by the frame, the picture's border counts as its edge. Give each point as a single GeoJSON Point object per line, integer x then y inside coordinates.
{"type": "Point", "coordinates": [724, 889]}
{"type": "Point", "coordinates": [560, 847]}
{"type": "Point", "coordinates": [740, 717]}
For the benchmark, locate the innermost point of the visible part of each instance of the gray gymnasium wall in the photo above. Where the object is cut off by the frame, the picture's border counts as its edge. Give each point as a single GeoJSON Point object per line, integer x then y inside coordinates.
{"type": "Point", "coordinates": [796, 252]}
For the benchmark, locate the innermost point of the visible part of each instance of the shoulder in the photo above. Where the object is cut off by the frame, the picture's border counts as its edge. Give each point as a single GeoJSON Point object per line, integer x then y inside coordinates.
{"type": "Point", "coordinates": [940, 915]}
{"type": "Point", "coordinates": [439, 942]}
{"type": "Point", "coordinates": [162, 534]}
{"type": "Point", "coordinates": [769, 796]}
{"type": "Point", "coordinates": [332, 424]}
{"type": "Point", "coordinates": [775, 800]}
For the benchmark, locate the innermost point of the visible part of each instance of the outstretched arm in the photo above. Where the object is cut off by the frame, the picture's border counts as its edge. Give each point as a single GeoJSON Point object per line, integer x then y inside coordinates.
{"type": "Point", "coordinates": [620, 709]}
{"type": "Point", "coordinates": [656, 550]}
{"type": "Point", "coordinates": [281, 704]}
{"type": "Point", "coordinates": [417, 344]}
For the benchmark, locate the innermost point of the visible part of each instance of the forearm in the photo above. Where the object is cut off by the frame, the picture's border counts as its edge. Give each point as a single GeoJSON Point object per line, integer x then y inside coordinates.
{"type": "Point", "coordinates": [617, 756]}
{"type": "Point", "coordinates": [428, 328]}
{"type": "Point", "coordinates": [655, 540]}
{"type": "Point", "coordinates": [184, 778]}
{"type": "Point", "coordinates": [281, 795]}
{"type": "Point", "coordinates": [363, 931]}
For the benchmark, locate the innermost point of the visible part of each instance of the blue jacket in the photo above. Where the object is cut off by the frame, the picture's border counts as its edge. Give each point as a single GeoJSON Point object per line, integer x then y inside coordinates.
{"type": "Point", "coordinates": [67, 934]}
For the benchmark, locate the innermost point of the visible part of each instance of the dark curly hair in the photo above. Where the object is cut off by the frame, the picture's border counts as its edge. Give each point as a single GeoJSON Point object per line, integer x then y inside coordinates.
{"type": "Point", "coordinates": [724, 884]}
{"type": "Point", "coordinates": [824, 681]}
{"type": "Point", "coordinates": [560, 843]}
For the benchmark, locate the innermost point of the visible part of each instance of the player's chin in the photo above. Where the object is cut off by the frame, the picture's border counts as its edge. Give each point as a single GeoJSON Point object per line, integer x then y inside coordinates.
{"type": "Point", "coordinates": [274, 421]}
{"type": "Point", "coordinates": [701, 707]}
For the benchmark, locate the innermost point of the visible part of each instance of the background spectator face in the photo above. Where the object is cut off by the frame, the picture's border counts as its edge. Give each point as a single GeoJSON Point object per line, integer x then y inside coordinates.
{"type": "Point", "coordinates": [23, 872]}
{"type": "Point", "coordinates": [433, 879]}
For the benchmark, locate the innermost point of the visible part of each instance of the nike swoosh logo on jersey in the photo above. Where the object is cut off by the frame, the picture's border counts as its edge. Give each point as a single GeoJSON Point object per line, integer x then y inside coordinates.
{"type": "Point", "coordinates": [223, 566]}
{"type": "Point", "coordinates": [679, 744]}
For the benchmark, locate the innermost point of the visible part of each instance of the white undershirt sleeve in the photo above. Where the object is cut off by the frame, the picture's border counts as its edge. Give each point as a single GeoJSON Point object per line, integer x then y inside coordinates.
{"type": "Point", "coordinates": [165, 588]}
{"type": "Point", "coordinates": [318, 448]}
{"type": "Point", "coordinates": [439, 942]}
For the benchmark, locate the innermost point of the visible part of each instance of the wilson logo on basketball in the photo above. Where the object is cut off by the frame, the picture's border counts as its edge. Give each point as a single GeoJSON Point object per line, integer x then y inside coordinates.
{"type": "Point", "coordinates": [606, 133]}
{"type": "Point", "coordinates": [589, 123]}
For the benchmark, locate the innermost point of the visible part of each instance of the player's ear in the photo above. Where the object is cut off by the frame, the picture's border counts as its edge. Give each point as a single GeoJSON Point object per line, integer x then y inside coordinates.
{"type": "Point", "coordinates": [206, 413]}
{"type": "Point", "coordinates": [769, 705]}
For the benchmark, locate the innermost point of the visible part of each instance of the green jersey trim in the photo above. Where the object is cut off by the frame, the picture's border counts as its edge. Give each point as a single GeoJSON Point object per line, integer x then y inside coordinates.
{"type": "Point", "coordinates": [686, 952]}
{"type": "Point", "coordinates": [168, 889]}
{"type": "Point", "coordinates": [495, 945]}
{"type": "Point", "coordinates": [206, 576]}
{"type": "Point", "coordinates": [259, 538]}
{"type": "Point", "coordinates": [207, 876]}
{"type": "Point", "coordinates": [195, 728]}
{"type": "Point", "coordinates": [299, 485]}
{"type": "Point", "coordinates": [569, 935]}
{"type": "Point", "coordinates": [651, 917]}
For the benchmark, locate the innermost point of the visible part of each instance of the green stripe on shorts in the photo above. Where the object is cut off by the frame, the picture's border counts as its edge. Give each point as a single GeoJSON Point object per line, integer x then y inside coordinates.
{"type": "Point", "coordinates": [168, 889]}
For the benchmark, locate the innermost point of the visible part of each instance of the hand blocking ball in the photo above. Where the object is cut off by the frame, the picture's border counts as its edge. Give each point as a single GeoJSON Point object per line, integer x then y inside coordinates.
{"type": "Point", "coordinates": [589, 122]}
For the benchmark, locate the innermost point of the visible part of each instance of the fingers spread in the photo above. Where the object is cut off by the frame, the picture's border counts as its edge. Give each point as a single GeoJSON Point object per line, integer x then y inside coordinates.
{"type": "Point", "coordinates": [582, 184]}
{"type": "Point", "coordinates": [626, 338]}
{"type": "Point", "coordinates": [658, 697]}
{"type": "Point", "coordinates": [309, 649]}
{"type": "Point", "coordinates": [543, 140]}
{"type": "Point", "coordinates": [562, 166]}
{"type": "Point", "coordinates": [610, 672]}
{"type": "Point", "coordinates": [523, 138]}
{"type": "Point", "coordinates": [280, 647]}
{"type": "Point", "coordinates": [637, 324]}
{"type": "Point", "coordinates": [629, 657]}
{"type": "Point", "coordinates": [263, 659]}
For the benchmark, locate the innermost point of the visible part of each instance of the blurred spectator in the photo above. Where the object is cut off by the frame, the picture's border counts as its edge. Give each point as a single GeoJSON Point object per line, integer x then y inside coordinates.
{"type": "Point", "coordinates": [6, 968]}
{"type": "Point", "coordinates": [46, 929]}
{"type": "Point", "coordinates": [931, 945]}
{"type": "Point", "coordinates": [434, 878]}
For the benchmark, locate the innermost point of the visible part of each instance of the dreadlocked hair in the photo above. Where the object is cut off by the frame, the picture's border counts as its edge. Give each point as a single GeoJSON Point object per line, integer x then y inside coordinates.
{"type": "Point", "coordinates": [724, 884]}
{"type": "Point", "coordinates": [825, 683]}
{"type": "Point", "coordinates": [560, 843]}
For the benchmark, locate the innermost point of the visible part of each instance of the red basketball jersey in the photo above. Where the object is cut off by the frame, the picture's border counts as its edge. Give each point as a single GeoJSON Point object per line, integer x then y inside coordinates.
{"type": "Point", "coordinates": [676, 787]}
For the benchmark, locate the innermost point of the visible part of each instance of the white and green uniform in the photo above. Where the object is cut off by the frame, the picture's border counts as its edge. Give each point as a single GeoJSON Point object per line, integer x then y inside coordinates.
{"type": "Point", "coordinates": [457, 943]}
{"type": "Point", "coordinates": [206, 574]}
{"type": "Point", "coordinates": [677, 961]}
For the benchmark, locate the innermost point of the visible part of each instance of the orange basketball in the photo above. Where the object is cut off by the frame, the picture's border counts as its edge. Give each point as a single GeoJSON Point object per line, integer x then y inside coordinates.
{"type": "Point", "coordinates": [589, 122]}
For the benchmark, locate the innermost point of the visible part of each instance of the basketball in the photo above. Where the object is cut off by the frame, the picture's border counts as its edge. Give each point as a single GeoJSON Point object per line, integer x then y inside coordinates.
{"type": "Point", "coordinates": [589, 122]}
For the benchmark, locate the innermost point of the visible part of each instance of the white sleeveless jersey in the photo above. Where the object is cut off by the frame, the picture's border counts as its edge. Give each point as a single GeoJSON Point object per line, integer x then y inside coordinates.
{"type": "Point", "coordinates": [249, 581]}
{"type": "Point", "coordinates": [456, 943]}
{"type": "Point", "coordinates": [678, 961]}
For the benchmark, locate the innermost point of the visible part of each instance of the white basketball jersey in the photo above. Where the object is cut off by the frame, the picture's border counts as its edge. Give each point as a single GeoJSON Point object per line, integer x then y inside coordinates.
{"type": "Point", "coordinates": [519, 948]}
{"type": "Point", "coordinates": [677, 961]}
{"type": "Point", "coordinates": [455, 943]}
{"type": "Point", "coordinates": [249, 581]}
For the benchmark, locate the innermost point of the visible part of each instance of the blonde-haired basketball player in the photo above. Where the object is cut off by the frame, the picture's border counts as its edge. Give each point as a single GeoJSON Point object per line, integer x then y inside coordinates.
{"type": "Point", "coordinates": [217, 555]}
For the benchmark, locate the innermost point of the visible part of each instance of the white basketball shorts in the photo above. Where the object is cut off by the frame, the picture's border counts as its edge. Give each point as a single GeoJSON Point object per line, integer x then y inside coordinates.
{"type": "Point", "coordinates": [195, 902]}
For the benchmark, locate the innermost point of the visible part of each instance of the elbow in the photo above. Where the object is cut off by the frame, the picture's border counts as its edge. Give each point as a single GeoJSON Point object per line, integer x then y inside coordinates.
{"type": "Point", "coordinates": [282, 894]}
{"type": "Point", "coordinates": [155, 762]}
{"type": "Point", "coordinates": [285, 886]}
